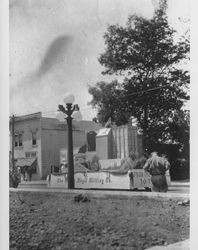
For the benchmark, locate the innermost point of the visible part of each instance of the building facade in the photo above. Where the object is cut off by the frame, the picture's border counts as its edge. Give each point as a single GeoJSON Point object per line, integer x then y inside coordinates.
{"type": "Point", "coordinates": [126, 140]}
{"type": "Point", "coordinates": [118, 142]}
{"type": "Point", "coordinates": [41, 139]}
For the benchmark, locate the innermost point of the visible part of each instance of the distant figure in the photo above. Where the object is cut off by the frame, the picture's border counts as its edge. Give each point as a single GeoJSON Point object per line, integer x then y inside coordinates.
{"type": "Point", "coordinates": [26, 175]}
{"type": "Point", "coordinates": [30, 174]}
{"type": "Point", "coordinates": [157, 167]}
{"type": "Point", "coordinates": [165, 161]}
{"type": "Point", "coordinates": [141, 161]}
{"type": "Point", "coordinates": [63, 168]}
{"type": "Point", "coordinates": [23, 173]}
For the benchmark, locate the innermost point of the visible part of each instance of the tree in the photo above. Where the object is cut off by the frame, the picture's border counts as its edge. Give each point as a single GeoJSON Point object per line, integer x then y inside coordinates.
{"type": "Point", "coordinates": [150, 61]}
{"type": "Point", "coordinates": [179, 130]}
{"type": "Point", "coordinates": [107, 98]}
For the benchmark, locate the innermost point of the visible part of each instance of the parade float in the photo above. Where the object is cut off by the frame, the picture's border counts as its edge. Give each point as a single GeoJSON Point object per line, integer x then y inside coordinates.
{"type": "Point", "coordinates": [117, 163]}
{"type": "Point", "coordinates": [113, 178]}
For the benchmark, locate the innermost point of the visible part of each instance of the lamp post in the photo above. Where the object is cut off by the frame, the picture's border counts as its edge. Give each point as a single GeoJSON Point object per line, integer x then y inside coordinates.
{"type": "Point", "coordinates": [71, 111]}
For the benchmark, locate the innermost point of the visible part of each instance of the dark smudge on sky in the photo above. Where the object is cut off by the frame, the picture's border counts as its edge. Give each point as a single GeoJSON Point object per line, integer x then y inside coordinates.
{"type": "Point", "coordinates": [54, 55]}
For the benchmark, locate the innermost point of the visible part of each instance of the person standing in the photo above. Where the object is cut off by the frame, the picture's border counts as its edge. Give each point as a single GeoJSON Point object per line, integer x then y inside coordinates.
{"type": "Point", "coordinates": [30, 174]}
{"type": "Point", "coordinates": [157, 167]}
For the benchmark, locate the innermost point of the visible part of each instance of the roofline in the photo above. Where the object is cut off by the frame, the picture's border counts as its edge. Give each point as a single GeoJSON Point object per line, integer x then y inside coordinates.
{"type": "Point", "coordinates": [36, 115]}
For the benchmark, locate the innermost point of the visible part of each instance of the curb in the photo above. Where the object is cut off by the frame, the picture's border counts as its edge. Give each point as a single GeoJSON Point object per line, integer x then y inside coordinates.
{"type": "Point", "coordinates": [182, 245]}
{"type": "Point", "coordinates": [180, 184]}
{"type": "Point", "coordinates": [99, 193]}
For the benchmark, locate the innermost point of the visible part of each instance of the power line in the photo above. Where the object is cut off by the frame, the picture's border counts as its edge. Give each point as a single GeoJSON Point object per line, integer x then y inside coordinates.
{"type": "Point", "coordinates": [148, 90]}
{"type": "Point", "coordinates": [84, 108]}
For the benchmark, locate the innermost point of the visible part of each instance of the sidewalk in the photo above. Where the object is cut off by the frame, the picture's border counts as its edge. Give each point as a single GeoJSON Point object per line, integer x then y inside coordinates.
{"type": "Point", "coordinates": [182, 245]}
{"type": "Point", "coordinates": [44, 182]}
{"type": "Point", "coordinates": [33, 184]}
{"type": "Point", "coordinates": [102, 193]}
{"type": "Point", "coordinates": [180, 183]}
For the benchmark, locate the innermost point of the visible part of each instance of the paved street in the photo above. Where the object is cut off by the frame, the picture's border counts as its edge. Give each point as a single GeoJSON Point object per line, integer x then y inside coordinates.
{"type": "Point", "coordinates": [176, 190]}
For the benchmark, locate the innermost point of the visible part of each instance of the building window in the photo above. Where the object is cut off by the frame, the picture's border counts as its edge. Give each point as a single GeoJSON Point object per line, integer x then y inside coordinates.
{"type": "Point", "coordinates": [34, 142]}
{"type": "Point", "coordinates": [18, 140]}
{"type": "Point", "coordinates": [30, 154]}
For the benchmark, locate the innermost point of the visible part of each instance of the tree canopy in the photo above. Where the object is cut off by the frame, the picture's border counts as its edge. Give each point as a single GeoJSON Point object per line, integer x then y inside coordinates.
{"type": "Point", "coordinates": [155, 85]}
{"type": "Point", "coordinates": [108, 99]}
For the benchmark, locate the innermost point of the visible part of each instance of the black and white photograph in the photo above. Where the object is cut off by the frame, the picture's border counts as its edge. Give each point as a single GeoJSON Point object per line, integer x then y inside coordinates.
{"type": "Point", "coordinates": [99, 124]}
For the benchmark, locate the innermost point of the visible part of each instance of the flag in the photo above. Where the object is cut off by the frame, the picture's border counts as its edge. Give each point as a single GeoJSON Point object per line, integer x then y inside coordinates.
{"type": "Point", "coordinates": [108, 123]}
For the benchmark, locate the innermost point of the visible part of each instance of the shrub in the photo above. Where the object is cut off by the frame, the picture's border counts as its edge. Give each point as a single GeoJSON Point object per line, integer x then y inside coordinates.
{"type": "Point", "coordinates": [14, 179]}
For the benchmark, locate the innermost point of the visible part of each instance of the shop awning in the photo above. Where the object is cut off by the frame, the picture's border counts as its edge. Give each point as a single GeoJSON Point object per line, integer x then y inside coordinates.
{"type": "Point", "coordinates": [22, 162]}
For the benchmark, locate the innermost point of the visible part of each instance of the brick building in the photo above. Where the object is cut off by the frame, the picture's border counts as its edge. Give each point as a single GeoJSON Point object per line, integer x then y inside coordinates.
{"type": "Point", "coordinates": [38, 141]}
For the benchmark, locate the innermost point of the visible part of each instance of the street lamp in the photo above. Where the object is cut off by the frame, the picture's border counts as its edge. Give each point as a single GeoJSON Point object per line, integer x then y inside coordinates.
{"type": "Point", "coordinates": [71, 112]}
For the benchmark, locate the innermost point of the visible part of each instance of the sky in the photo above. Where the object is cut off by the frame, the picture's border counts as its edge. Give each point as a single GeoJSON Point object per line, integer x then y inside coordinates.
{"type": "Point", "coordinates": [55, 45]}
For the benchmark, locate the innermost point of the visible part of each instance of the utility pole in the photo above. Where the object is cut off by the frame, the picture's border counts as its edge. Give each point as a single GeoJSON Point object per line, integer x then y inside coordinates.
{"type": "Point", "coordinates": [13, 137]}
